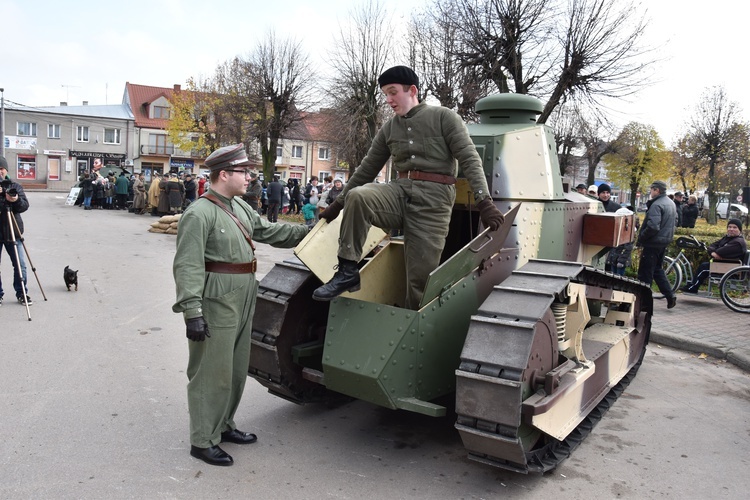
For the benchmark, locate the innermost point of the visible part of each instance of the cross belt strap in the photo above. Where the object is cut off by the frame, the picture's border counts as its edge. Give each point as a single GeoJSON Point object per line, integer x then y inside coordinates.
{"type": "Point", "coordinates": [232, 268]}
{"type": "Point", "coordinates": [418, 175]}
{"type": "Point", "coordinates": [213, 199]}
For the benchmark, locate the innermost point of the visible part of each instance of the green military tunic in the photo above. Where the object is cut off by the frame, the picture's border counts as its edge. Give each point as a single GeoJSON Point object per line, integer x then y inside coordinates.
{"type": "Point", "coordinates": [427, 139]}
{"type": "Point", "coordinates": [217, 367]}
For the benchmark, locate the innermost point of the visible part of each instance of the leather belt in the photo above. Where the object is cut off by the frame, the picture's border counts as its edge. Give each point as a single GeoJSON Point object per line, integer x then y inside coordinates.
{"type": "Point", "coordinates": [418, 175]}
{"type": "Point", "coordinates": [230, 268]}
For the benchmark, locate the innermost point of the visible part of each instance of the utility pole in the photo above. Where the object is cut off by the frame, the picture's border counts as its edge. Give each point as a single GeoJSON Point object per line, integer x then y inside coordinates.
{"type": "Point", "coordinates": [2, 122]}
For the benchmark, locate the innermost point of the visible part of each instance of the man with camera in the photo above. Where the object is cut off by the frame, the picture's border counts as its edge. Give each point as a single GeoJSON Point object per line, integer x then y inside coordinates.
{"type": "Point", "coordinates": [13, 203]}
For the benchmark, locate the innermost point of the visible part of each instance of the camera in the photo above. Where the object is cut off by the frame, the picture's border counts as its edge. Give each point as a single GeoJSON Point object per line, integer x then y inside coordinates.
{"type": "Point", "coordinates": [7, 189]}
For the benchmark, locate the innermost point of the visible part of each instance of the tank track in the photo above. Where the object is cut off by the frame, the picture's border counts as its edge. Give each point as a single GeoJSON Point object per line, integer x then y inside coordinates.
{"type": "Point", "coordinates": [517, 317]}
{"type": "Point", "coordinates": [285, 318]}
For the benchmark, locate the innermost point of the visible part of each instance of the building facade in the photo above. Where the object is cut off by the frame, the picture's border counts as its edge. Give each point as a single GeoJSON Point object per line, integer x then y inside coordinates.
{"type": "Point", "coordinates": [49, 147]}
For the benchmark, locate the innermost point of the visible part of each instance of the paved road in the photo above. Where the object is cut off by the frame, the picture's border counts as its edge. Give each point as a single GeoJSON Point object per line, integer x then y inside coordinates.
{"type": "Point", "coordinates": [94, 406]}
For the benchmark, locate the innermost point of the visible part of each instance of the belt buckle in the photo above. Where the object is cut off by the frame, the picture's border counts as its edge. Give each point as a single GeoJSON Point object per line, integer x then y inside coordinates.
{"type": "Point", "coordinates": [408, 174]}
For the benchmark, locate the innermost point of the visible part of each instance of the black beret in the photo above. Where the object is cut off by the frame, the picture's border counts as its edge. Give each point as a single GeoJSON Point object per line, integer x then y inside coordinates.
{"type": "Point", "coordinates": [399, 74]}
{"type": "Point", "coordinates": [226, 157]}
{"type": "Point", "coordinates": [581, 186]}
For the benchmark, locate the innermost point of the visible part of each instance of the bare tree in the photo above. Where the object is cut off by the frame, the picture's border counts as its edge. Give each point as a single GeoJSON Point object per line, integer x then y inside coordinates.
{"type": "Point", "coordinates": [566, 126]}
{"type": "Point", "coordinates": [711, 127]}
{"type": "Point", "coordinates": [280, 83]}
{"type": "Point", "coordinates": [361, 54]}
{"type": "Point", "coordinates": [586, 49]}
{"type": "Point", "coordinates": [432, 40]}
{"type": "Point", "coordinates": [687, 167]}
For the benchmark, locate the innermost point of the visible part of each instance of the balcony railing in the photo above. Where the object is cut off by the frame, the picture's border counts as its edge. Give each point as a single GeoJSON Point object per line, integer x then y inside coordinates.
{"type": "Point", "coordinates": [157, 150]}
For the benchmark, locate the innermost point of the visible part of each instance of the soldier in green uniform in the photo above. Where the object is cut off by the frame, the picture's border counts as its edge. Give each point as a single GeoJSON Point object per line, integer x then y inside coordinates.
{"type": "Point", "coordinates": [214, 271]}
{"type": "Point", "coordinates": [424, 143]}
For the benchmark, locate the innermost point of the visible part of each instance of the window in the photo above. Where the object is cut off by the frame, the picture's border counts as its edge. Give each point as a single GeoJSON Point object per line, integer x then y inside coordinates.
{"type": "Point", "coordinates": [279, 153]}
{"type": "Point", "coordinates": [53, 130]}
{"type": "Point", "coordinates": [157, 144]}
{"type": "Point", "coordinates": [82, 134]}
{"type": "Point", "coordinates": [26, 167]}
{"type": "Point", "coordinates": [324, 154]}
{"type": "Point", "coordinates": [111, 136]}
{"type": "Point", "coordinates": [161, 112]}
{"type": "Point", "coordinates": [296, 151]}
{"type": "Point", "coordinates": [27, 128]}
{"type": "Point", "coordinates": [53, 169]}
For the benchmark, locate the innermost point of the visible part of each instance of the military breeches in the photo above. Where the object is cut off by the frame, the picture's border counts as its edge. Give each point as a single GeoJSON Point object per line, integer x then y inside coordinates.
{"type": "Point", "coordinates": [421, 209]}
{"type": "Point", "coordinates": [217, 368]}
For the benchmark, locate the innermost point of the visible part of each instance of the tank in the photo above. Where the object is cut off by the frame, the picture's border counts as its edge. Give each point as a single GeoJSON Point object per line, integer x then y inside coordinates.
{"type": "Point", "coordinates": [521, 324]}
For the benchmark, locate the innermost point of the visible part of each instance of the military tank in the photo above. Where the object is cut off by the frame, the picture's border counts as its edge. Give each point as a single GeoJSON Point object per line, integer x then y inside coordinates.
{"type": "Point", "coordinates": [535, 340]}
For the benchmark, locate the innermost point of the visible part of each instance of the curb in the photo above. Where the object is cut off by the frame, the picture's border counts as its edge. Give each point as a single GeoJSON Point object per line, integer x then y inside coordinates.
{"type": "Point", "coordinates": [738, 357]}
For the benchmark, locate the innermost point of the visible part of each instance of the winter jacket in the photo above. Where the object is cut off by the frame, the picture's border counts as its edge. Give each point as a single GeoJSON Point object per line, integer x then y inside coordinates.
{"type": "Point", "coordinates": [657, 229]}
{"type": "Point", "coordinates": [729, 247]}
{"type": "Point", "coordinates": [689, 214]}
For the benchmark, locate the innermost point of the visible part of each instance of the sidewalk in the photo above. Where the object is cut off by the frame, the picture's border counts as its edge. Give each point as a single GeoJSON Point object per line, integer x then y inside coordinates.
{"type": "Point", "coordinates": [703, 325]}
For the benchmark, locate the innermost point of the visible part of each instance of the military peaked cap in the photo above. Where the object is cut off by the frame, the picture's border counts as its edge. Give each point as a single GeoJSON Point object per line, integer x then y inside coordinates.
{"type": "Point", "coordinates": [227, 157]}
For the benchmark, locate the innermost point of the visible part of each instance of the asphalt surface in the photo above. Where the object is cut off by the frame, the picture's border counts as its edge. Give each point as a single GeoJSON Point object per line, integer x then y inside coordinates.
{"type": "Point", "coordinates": [94, 406]}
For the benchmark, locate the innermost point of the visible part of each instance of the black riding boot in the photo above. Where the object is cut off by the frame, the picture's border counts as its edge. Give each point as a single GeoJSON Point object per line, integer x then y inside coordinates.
{"type": "Point", "coordinates": [346, 279]}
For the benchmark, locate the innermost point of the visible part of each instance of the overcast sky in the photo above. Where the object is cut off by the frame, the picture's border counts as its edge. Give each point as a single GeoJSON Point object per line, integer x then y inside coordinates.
{"type": "Point", "coordinates": [78, 50]}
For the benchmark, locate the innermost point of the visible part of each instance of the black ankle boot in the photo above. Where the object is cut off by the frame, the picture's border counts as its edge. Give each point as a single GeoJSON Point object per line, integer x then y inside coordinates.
{"type": "Point", "coordinates": [346, 279]}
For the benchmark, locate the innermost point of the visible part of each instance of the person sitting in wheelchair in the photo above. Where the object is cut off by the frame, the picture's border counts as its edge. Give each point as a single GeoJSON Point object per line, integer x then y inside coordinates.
{"type": "Point", "coordinates": [731, 247]}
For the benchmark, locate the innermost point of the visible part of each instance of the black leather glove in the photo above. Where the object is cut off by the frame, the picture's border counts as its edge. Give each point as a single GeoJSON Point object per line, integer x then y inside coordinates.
{"type": "Point", "coordinates": [491, 216]}
{"type": "Point", "coordinates": [332, 211]}
{"type": "Point", "coordinates": [197, 329]}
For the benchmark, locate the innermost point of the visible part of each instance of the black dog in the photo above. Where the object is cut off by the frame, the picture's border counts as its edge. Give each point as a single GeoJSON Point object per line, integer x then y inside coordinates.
{"type": "Point", "coordinates": [71, 278]}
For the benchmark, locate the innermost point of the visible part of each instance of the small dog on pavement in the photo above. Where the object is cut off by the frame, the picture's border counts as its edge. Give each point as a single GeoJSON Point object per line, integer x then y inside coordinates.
{"type": "Point", "coordinates": [71, 278]}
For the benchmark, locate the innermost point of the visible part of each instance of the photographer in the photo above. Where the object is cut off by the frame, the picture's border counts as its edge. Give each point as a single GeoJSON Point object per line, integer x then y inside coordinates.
{"type": "Point", "coordinates": [13, 203]}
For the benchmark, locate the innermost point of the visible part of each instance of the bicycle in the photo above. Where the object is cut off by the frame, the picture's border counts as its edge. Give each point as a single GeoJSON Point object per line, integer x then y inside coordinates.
{"type": "Point", "coordinates": [678, 269]}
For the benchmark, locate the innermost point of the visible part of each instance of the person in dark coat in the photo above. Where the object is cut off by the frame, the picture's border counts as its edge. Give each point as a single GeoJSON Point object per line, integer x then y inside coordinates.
{"type": "Point", "coordinates": [690, 212]}
{"type": "Point", "coordinates": [13, 201]}
{"type": "Point", "coordinates": [678, 205]}
{"type": "Point", "coordinates": [273, 192]}
{"type": "Point", "coordinates": [731, 248]}
{"type": "Point", "coordinates": [163, 208]}
{"type": "Point", "coordinates": [175, 192]}
{"type": "Point", "coordinates": [190, 189]}
{"type": "Point", "coordinates": [121, 191]}
{"type": "Point", "coordinates": [87, 187]}
{"type": "Point", "coordinates": [296, 206]}
{"type": "Point", "coordinates": [605, 193]}
{"type": "Point", "coordinates": [655, 235]}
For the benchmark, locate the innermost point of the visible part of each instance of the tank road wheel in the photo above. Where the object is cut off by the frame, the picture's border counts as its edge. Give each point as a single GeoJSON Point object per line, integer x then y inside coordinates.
{"type": "Point", "coordinates": [537, 371]}
{"type": "Point", "coordinates": [287, 337]}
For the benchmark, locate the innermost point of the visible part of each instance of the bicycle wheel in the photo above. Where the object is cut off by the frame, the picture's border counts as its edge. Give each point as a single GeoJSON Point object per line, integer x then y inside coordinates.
{"type": "Point", "coordinates": [673, 270]}
{"type": "Point", "coordinates": [735, 289]}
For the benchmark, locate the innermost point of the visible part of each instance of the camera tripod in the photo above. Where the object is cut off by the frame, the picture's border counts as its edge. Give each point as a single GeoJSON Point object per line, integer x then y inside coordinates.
{"type": "Point", "coordinates": [13, 229]}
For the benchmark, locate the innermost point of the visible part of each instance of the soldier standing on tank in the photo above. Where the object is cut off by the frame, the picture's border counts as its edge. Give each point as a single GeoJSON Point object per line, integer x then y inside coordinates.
{"type": "Point", "coordinates": [424, 142]}
{"type": "Point", "coordinates": [214, 271]}
{"type": "Point", "coordinates": [655, 236]}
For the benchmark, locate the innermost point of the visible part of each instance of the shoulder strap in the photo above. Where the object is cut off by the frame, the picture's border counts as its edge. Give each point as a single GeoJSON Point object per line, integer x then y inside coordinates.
{"type": "Point", "coordinates": [213, 199]}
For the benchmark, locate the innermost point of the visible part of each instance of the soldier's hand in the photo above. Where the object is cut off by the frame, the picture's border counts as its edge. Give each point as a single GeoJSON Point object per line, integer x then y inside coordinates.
{"type": "Point", "coordinates": [197, 329]}
{"type": "Point", "coordinates": [491, 216]}
{"type": "Point", "coordinates": [332, 211]}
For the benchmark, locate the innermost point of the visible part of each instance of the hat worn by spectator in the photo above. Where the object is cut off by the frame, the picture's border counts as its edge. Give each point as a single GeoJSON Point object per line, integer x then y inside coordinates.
{"type": "Point", "coordinates": [581, 186]}
{"type": "Point", "coordinates": [593, 189]}
{"type": "Point", "coordinates": [661, 185]}
{"type": "Point", "coordinates": [603, 188]}
{"type": "Point", "coordinates": [3, 163]}
{"type": "Point", "coordinates": [253, 175]}
{"type": "Point", "coordinates": [678, 193]}
{"type": "Point", "coordinates": [398, 74]}
{"type": "Point", "coordinates": [736, 222]}
{"type": "Point", "coordinates": [227, 157]}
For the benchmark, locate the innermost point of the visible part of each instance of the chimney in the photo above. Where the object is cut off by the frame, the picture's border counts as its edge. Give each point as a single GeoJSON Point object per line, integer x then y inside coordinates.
{"type": "Point", "coordinates": [62, 103]}
{"type": "Point", "coordinates": [85, 103]}
{"type": "Point", "coordinates": [177, 87]}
